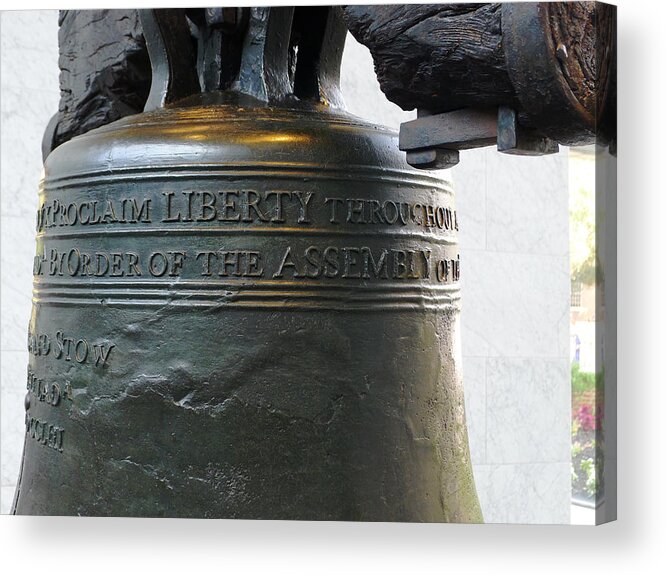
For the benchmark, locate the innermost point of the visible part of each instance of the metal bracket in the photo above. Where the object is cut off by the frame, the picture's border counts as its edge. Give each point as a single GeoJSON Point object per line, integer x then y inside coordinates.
{"type": "Point", "coordinates": [434, 141]}
{"type": "Point", "coordinates": [264, 70]}
{"type": "Point", "coordinates": [172, 59]}
{"type": "Point", "coordinates": [536, 68]}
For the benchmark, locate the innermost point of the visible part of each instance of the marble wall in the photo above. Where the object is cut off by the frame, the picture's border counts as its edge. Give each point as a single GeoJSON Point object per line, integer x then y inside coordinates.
{"type": "Point", "coordinates": [514, 254]}
{"type": "Point", "coordinates": [29, 97]}
{"type": "Point", "coordinates": [515, 338]}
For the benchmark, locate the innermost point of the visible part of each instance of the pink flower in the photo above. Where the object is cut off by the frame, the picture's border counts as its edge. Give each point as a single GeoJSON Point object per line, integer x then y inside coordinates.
{"type": "Point", "coordinates": [586, 417]}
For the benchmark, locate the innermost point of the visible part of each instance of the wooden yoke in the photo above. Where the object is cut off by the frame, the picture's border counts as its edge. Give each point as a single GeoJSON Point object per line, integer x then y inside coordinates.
{"type": "Point", "coordinates": [528, 76]}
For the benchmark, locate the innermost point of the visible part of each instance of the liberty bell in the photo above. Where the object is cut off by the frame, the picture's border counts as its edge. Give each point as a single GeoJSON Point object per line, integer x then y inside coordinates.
{"type": "Point", "coordinates": [246, 302]}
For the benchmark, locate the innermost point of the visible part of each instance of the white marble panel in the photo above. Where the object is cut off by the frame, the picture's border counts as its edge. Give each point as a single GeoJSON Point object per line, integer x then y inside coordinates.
{"type": "Point", "coordinates": [528, 410]}
{"type": "Point", "coordinates": [29, 52]}
{"type": "Point", "coordinates": [514, 305]}
{"type": "Point", "coordinates": [23, 123]}
{"type": "Point", "coordinates": [17, 248]}
{"type": "Point", "coordinates": [6, 498]}
{"type": "Point", "coordinates": [525, 493]}
{"type": "Point", "coordinates": [474, 383]}
{"type": "Point", "coordinates": [469, 183]}
{"type": "Point", "coordinates": [527, 203]}
{"type": "Point", "coordinates": [29, 70]}
{"type": "Point", "coordinates": [29, 30]}
{"type": "Point", "coordinates": [12, 413]}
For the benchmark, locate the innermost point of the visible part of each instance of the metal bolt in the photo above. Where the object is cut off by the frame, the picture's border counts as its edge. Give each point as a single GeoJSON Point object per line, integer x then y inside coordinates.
{"type": "Point", "coordinates": [562, 53]}
{"type": "Point", "coordinates": [433, 158]}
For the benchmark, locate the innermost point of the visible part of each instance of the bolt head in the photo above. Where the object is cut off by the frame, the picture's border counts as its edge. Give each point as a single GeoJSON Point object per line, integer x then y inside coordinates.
{"type": "Point", "coordinates": [433, 158]}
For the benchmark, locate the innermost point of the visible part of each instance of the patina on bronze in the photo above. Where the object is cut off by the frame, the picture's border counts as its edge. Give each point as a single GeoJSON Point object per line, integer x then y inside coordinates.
{"type": "Point", "coordinates": [246, 305]}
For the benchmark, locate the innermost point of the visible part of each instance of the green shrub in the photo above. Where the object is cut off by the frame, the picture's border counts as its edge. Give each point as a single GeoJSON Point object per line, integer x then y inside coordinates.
{"type": "Point", "coordinates": [583, 381]}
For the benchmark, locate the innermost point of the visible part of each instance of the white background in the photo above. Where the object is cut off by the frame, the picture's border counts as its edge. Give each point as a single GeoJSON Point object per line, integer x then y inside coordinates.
{"type": "Point", "coordinates": [633, 543]}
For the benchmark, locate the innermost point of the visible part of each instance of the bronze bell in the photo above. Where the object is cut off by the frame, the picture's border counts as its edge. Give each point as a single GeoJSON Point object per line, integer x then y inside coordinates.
{"type": "Point", "coordinates": [246, 305]}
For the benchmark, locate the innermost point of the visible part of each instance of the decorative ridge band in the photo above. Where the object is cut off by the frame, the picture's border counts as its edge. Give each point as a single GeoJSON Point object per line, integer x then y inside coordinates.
{"type": "Point", "coordinates": [259, 169]}
{"type": "Point", "coordinates": [440, 238]}
{"type": "Point", "coordinates": [240, 284]}
{"type": "Point", "coordinates": [274, 295]}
